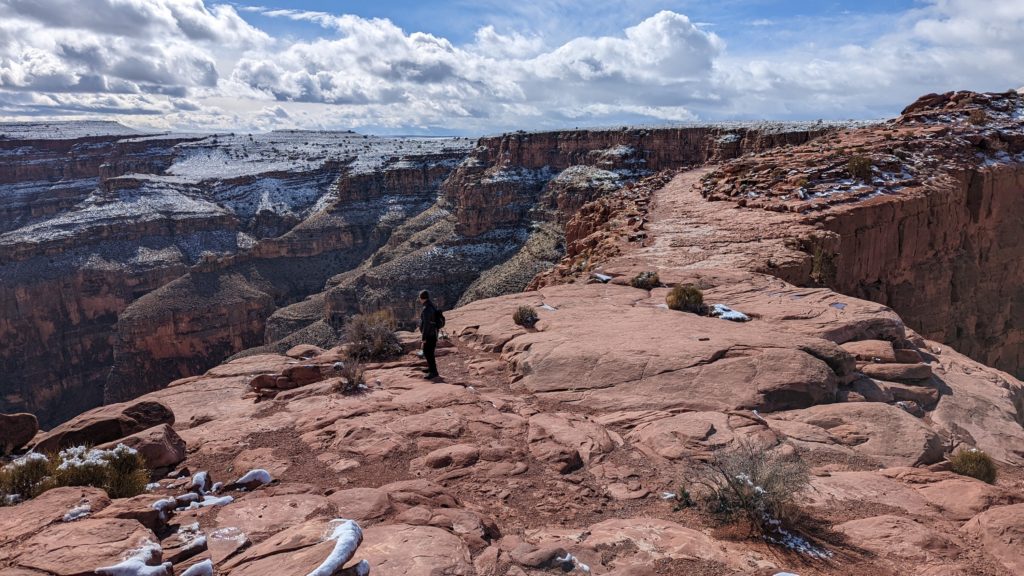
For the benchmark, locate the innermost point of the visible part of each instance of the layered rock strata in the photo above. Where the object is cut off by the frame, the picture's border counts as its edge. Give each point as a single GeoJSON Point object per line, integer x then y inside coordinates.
{"type": "Point", "coordinates": [96, 216]}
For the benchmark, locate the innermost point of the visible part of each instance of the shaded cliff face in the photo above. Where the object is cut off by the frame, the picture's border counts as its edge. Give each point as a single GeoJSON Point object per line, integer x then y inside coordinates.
{"type": "Point", "coordinates": [95, 216]}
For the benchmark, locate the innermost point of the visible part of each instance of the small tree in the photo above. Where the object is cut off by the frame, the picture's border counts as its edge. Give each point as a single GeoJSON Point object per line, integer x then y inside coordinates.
{"type": "Point", "coordinates": [974, 463]}
{"type": "Point", "coordinates": [860, 168]}
{"type": "Point", "coordinates": [686, 298]}
{"type": "Point", "coordinates": [525, 316]}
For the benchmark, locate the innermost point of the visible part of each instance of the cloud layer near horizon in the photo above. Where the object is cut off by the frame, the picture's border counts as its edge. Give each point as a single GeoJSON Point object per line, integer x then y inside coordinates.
{"type": "Point", "coordinates": [188, 64]}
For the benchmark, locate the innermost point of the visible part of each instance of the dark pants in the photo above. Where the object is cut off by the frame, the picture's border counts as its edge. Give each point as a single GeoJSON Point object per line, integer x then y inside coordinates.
{"type": "Point", "coordinates": [429, 345]}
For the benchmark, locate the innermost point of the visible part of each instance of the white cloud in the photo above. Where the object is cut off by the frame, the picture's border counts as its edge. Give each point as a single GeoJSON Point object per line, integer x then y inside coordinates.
{"type": "Point", "coordinates": [192, 65]}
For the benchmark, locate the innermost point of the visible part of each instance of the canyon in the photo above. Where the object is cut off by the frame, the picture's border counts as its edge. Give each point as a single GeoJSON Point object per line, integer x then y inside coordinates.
{"type": "Point", "coordinates": [833, 259]}
{"type": "Point", "coordinates": [131, 260]}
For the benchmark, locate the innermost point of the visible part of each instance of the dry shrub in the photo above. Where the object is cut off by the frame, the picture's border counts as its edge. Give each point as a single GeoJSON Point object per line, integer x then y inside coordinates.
{"type": "Point", "coordinates": [977, 117]}
{"type": "Point", "coordinates": [748, 481]}
{"type": "Point", "coordinates": [352, 376]}
{"type": "Point", "coordinates": [974, 463]}
{"type": "Point", "coordinates": [121, 472]}
{"type": "Point", "coordinates": [25, 477]}
{"type": "Point", "coordinates": [686, 298]}
{"type": "Point", "coordinates": [860, 168]}
{"type": "Point", "coordinates": [525, 316]}
{"type": "Point", "coordinates": [126, 473]}
{"type": "Point", "coordinates": [645, 281]}
{"type": "Point", "coordinates": [372, 336]}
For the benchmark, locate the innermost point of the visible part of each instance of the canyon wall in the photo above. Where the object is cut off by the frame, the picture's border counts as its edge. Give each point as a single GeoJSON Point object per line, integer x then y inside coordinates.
{"type": "Point", "coordinates": [932, 229]}
{"type": "Point", "coordinates": [95, 216]}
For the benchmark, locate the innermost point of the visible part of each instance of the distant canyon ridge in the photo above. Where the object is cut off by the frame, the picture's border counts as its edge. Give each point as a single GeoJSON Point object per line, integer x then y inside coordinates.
{"type": "Point", "coordinates": [129, 260]}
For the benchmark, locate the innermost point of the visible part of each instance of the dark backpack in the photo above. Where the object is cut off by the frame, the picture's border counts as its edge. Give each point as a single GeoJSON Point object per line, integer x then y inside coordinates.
{"type": "Point", "coordinates": [439, 319]}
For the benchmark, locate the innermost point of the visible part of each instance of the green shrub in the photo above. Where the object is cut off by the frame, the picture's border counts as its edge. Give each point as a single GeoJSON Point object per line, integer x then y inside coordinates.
{"type": "Point", "coordinates": [645, 281]}
{"type": "Point", "coordinates": [372, 336]}
{"type": "Point", "coordinates": [974, 463]}
{"type": "Point", "coordinates": [860, 168]}
{"type": "Point", "coordinates": [25, 477]}
{"type": "Point", "coordinates": [748, 481]}
{"type": "Point", "coordinates": [525, 316]}
{"type": "Point", "coordinates": [686, 298]}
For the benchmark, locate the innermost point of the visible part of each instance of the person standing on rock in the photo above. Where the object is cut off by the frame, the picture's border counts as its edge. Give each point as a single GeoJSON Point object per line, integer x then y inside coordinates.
{"type": "Point", "coordinates": [429, 328]}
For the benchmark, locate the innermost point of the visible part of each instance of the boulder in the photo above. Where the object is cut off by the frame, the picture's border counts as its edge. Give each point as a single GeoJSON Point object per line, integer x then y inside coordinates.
{"type": "Point", "coordinates": [898, 372]}
{"type": "Point", "coordinates": [871, 350]}
{"type": "Point", "coordinates": [303, 374]}
{"type": "Point", "coordinates": [1001, 532]}
{"type": "Point", "coordinates": [361, 504]}
{"type": "Point", "coordinates": [160, 446]}
{"type": "Point", "coordinates": [457, 456]}
{"type": "Point", "coordinates": [16, 430]}
{"type": "Point", "coordinates": [105, 424]}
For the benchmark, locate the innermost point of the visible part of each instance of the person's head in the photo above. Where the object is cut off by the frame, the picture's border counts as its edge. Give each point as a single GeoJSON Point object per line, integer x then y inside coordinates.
{"type": "Point", "coordinates": [424, 297]}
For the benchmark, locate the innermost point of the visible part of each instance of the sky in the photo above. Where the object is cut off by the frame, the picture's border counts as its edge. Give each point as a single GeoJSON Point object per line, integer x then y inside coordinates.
{"type": "Point", "coordinates": [488, 66]}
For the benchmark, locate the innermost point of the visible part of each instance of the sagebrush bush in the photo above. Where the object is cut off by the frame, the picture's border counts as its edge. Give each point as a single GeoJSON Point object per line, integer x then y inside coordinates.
{"type": "Point", "coordinates": [525, 316]}
{"type": "Point", "coordinates": [25, 477]}
{"type": "Point", "coordinates": [646, 281]}
{"type": "Point", "coordinates": [120, 471]}
{"type": "Point", "coordinates": [977, 117]}
{"type": "Point", "coordinates": [974, 463]}
{"type": "Point", "coordinates": [372, 336]}
{"type": "Point", "coordinates": [748, 481]}
{"type": "Point", "coordinates": [352, 376]}
{"type": "Point", "coordinates": [686, 298]}
{"type": "Point", "coordinates": [860, 168]}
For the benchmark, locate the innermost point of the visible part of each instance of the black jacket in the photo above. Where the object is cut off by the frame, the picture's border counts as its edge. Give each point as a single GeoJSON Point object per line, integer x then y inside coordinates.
{"type": "Point", "coordinates": [428, 320]}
